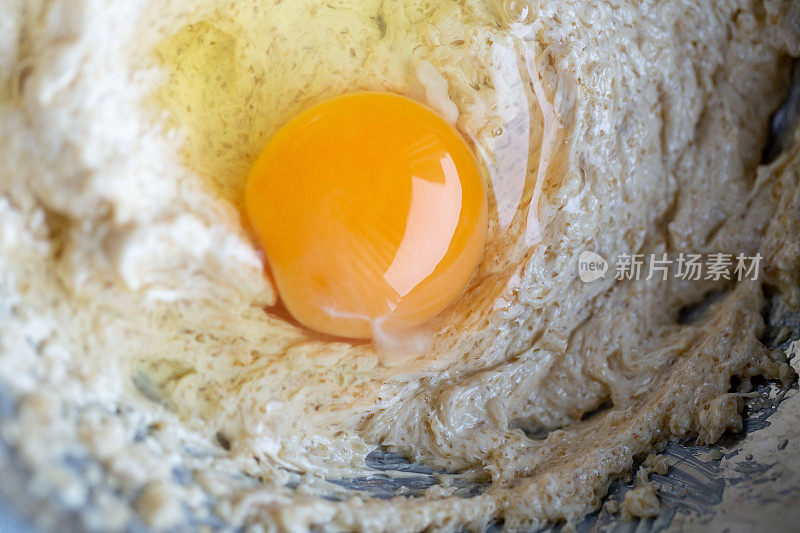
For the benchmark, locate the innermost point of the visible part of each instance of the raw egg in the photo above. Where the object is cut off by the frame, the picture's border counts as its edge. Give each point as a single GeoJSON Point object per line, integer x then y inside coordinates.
{"type": "Point", "coordinates": [371, 212]}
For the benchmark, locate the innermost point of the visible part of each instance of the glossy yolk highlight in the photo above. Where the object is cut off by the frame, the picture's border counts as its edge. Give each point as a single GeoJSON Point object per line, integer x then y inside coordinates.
{"type": "Point", "coordinates": [371, 212]}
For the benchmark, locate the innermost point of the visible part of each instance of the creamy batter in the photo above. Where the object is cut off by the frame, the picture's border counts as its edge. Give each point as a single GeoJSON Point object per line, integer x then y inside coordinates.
{"type": "Point", "coordinates": [151, 375]}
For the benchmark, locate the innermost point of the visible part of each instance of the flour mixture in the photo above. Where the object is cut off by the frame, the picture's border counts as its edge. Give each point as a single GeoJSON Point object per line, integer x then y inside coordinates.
{"type": "Point", "coordinates": [152, 374]}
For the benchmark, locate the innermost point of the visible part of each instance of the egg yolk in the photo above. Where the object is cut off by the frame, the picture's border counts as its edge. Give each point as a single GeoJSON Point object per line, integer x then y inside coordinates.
{"type": "Point", "coordinates": [371, 212]}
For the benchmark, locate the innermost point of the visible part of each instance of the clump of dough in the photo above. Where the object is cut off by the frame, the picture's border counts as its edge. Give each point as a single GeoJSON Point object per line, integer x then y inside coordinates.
{"type": "Point", "coordinates": [642, 500]}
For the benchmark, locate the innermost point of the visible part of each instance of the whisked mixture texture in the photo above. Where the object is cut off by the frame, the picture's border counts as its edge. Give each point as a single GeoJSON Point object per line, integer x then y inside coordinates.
{"type": "Point", "coordinates": [153, 377]}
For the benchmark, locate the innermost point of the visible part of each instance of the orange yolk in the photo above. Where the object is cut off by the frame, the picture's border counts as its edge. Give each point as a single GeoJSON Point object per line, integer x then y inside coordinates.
{"type": "Point", "coordinates": [371, 212]}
